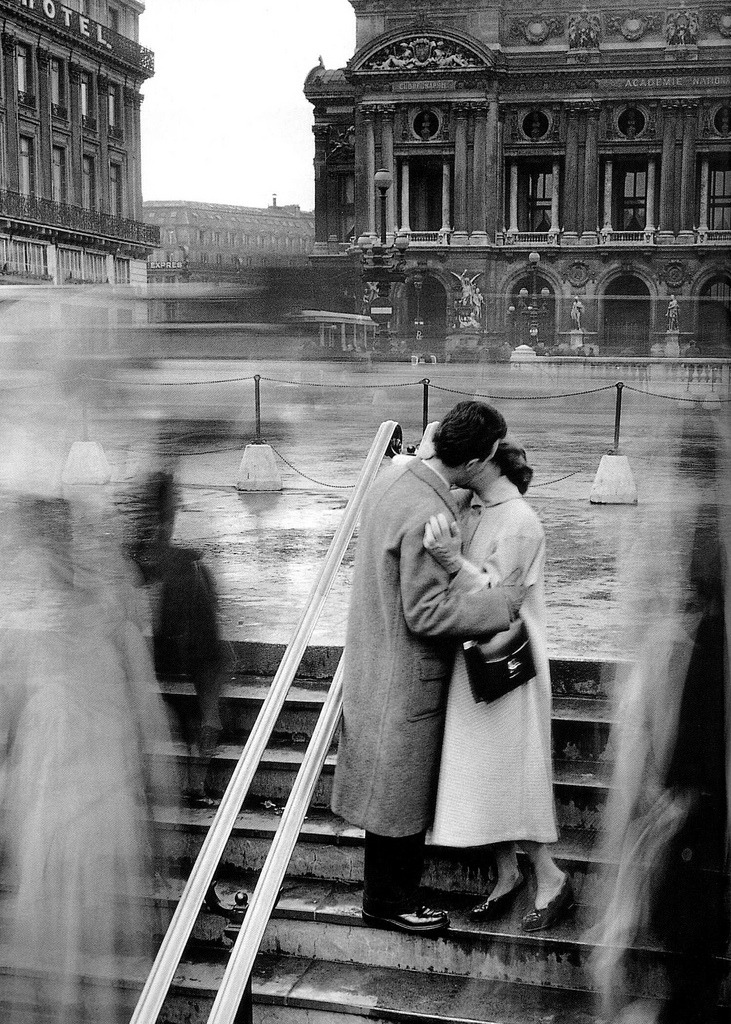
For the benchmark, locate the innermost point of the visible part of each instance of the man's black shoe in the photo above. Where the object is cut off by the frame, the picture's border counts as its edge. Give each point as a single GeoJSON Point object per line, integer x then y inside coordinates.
{"type": "Point", "coordinates": [421, 921]}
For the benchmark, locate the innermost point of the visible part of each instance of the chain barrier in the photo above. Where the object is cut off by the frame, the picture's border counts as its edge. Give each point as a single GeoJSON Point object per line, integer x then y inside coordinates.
{"type": "Point", "coordinates": [327, 384]}
{"type": "Point", "coordinates": [521, 398]}
{"type": "Point", "coordinates": [320, 483]}
{"type": "Point", "coordinates": [672, 398]}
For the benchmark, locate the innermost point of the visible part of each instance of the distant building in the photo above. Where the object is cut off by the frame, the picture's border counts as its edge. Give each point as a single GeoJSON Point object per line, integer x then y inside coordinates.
{"type": "Point", "coordinates": [216, 243]}
{"type": "Point", "coordinates": [70, 184]}
{"type": "Point", "coordinates": [594, 140]}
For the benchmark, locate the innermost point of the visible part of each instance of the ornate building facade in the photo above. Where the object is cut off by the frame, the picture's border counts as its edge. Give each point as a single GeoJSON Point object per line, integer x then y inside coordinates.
{"type": "Point", "coordinates": [217, 243]}
{"type": "Point", "coordinates": [70, 184]}
{"type": "Point", "coordinates": [536, 156]}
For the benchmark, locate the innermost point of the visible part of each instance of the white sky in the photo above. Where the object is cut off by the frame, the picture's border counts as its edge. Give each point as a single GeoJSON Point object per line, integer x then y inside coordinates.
{"type": "Point", "coordinates": [224, 118]}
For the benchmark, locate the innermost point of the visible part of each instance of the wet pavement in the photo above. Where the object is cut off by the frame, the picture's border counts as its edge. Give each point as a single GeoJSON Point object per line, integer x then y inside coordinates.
{"type": "Point", "coordinates": [604, 562]}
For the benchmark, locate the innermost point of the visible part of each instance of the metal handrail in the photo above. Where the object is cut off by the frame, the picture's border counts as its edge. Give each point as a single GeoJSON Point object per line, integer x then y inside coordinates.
{"type": "Point", "coordinates": [173, 944]}
{"type": "Point", "coordinates": [241, 961]}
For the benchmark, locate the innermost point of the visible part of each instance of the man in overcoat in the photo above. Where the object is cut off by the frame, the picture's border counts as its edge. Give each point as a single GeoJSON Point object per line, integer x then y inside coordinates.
{"type": "Point", "coordinates": [406, 616]}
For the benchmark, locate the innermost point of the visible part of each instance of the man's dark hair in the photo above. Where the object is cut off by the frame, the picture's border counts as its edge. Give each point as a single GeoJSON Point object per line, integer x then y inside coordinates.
{"type": "Point", "coordinates": [468, 431]}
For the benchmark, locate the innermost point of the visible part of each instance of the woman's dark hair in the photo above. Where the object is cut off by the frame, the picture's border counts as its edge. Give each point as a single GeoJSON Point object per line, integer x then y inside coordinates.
{"type": "Point", "coordinates": [468, 431]}
{"type": "Point", "coordinates": [511, 460]}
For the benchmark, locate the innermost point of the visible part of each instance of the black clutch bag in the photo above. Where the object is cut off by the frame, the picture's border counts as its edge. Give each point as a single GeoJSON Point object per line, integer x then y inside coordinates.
{"type": "Point", "coordinates": [492, 674]}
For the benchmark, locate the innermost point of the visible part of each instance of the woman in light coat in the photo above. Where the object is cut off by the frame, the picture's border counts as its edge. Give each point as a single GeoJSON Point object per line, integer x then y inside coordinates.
{"type": "Point", "coordinates": [496, 777]}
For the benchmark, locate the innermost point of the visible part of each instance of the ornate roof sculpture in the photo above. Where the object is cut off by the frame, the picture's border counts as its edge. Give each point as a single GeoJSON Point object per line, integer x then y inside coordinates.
{"type": "Point", "coordinates": [422, 53]}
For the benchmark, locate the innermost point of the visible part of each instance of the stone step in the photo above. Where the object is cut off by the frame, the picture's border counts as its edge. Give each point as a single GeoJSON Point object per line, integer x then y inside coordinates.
{"type": "Point", "coordinates": [571, 677]}
{"type": "Point", "coordinates": [330, 849]}
{"type": "Point", "coordinates": [580, 787]}
{"type": "Point", "coordinates": [301, 990]}
{"type": "Point", "coordinates": [319, 919]}
{"type": "Point", "coordinates": [581, 725]}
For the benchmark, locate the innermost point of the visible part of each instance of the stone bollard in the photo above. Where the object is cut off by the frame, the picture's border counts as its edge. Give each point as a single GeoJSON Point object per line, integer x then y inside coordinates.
{"type": "Point", "coordinates": [613, 483]}
{"type": "Point", "coordinates": [86, 464]}
{"type": "Point", "coordinates": [259, 470]}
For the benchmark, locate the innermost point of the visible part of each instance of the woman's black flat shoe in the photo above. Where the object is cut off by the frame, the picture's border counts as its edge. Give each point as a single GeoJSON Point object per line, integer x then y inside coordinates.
{"type": "Point", "coordinates": [561, 904]}
{"type": "Point", "coordinates": [493, 908]}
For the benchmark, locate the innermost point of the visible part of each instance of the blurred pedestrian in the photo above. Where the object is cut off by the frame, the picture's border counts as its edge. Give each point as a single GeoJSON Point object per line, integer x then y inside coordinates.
{"type": "Point", "coordinates": [406, 614]}
{"type": "Point", "coordinates": [496, 774]}
{"type": "Point", "coordinates": [666, 829]}
{"type": "Point", "coordinates": [185, 627]}
{"type": "Point", "coordinates": [80, 769]}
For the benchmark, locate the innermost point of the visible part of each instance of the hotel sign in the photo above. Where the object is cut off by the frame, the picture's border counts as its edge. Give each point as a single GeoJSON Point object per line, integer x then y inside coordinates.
{"type": "Point", "coordinates": [61, 16]}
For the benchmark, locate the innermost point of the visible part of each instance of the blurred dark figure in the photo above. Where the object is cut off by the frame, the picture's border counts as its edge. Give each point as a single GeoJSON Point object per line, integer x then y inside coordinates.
{"type": "Point", "coordinates": [185, 626]}
{"type": "Point", "coordinates": [668, 824]}
{"type": "Point", "coordinates": [80, 718]}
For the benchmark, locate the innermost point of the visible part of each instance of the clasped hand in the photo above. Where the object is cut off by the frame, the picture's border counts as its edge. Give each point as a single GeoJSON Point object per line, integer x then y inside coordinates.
{"type": "Point", "coordinates": [443, 540]}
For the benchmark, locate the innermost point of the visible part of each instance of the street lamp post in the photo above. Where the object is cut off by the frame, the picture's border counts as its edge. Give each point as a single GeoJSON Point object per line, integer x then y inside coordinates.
{"type": "Point", "coordinates": [418, 322]}
{"type": "Point", "coordinates": [382, 264]}
{"type": "Point", "coordinates": [532, 306]}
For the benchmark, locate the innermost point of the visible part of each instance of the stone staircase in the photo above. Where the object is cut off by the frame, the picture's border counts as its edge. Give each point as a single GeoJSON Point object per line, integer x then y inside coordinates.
{"type": "Point", "coordinates": [318, 959]}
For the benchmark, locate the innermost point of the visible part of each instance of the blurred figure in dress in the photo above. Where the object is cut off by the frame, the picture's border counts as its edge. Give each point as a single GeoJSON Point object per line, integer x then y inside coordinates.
{"type": "Point", "coordinates": [667, 820]}
{"type": "Point", "coordinates": [81, 720]}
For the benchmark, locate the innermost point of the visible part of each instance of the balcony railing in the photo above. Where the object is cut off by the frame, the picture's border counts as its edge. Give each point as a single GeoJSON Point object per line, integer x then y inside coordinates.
{"type": "Point", "coordinates": [36, 210]}
{"type": "Point", "coordinates": [531, 238]}
{"type": "Point", "coordinates": [429, 237]}
{"type": "Point", "coordinates": [715, 237]}
{"type": "Point", "coordinates": [60, 111]}
{"type": "Point", "coordinates": [115, 133]}
{"type": "Point", "coordinates": [88, 122]}
{"type": "Point", "coordinates": [646, 237]}
{"type": "Point", "coordinates": [26, 99]}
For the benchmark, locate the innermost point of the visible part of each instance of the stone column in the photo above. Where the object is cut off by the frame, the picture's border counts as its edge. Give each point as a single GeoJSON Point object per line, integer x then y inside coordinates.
{"type": "Point", "coordinates": [11, 107]}
{"type": "Point", "coordinates": [388, 114]}
{"type": "Point", "coordinates": [102, 101]}
{"type": "Point", "coordinates": [479, 182]}
{"type": "Point", "coordinates": [591, 180]}
{"type": "Point", "coordinates": [607, 225]}
{"type": "Point", "coordinates": [513, 199]}
{"type": "Point", "coordinates": [666, 231]}
{"type": "Point", "coordinates": [687, 176]}
{"type": "Point", "coordinates": [321, 132]}
{"type": "Point", "coordinates": [703, 212]}
{"type": "Point", "coordinates": [500, 174]}
{"type": "Point", "coordinates": [75, 187]}
{"type": "Point", "coordinates": [571, 180]}
{"type": "Point", "coordinates": [650, 208]}
{"type": "Point", "coordinates": [555, 228]}
{"type": "Point", "coordinates": [43, 62]}
{"type": "Point", "coordinates": [460, 178]}
{"type": "Point", "coordinates": [492, 217]}
{"type": "Point", "coordinates": [405, 225]}
{"type": "Point", "coordinates": [370, 169]}
{"type": "Point", "coordinates": [446, 196]}
{"type": "Point", "coordinates": [131, 199]}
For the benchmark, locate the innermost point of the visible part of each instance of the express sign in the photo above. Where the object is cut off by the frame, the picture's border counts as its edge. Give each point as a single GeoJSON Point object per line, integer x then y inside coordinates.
{"type": "Point", "coordinates": [63, 17]}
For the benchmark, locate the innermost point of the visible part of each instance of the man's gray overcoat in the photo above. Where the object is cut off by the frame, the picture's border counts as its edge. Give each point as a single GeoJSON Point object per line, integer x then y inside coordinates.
{"type": "Point", "coordinates": [405, 616]}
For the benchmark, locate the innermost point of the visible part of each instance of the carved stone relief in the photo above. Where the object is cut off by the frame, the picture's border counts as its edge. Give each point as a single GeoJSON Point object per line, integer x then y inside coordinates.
{"type": "Point", "coordinates": [682, 27]}
{"type": "Point", "coordinates": [633, 26]}
{"type": "Point", "coordinates": [535, 30]}
{"type": "Point", "coordinates": [721, 22]}
{"type": "Point", "coordinates": [422, 53]}
{"type": "Point", "coordinates": [584, 31]}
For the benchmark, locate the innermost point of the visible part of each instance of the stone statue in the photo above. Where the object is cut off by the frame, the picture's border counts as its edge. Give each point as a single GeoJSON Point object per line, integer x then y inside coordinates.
{"type": "Point", "coordinates": [681, 28]}
{"type": "Point", "coordinates": [576, 310]}
{"type": "Point", "coordinates": [469, 306]}
{"type": "Point", "coordinates": [671, 314]}
{"type": "Point", "coordinates": [584, 31]}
